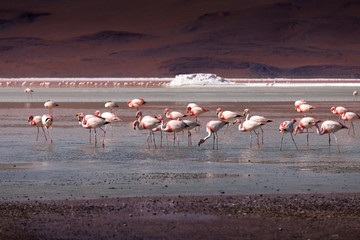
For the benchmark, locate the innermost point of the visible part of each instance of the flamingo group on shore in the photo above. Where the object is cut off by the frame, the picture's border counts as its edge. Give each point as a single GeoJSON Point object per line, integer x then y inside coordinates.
{"type": "Point", "coordinates": [176, 124]}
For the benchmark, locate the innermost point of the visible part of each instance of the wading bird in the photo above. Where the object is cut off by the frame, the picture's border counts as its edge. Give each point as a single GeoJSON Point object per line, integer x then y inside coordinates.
{"type": "Point", "coordinates": [47, 121]}
{"type": "Point", "coordinates": [212, 127]}
{"type": "Point", "coordinates": [328, 127]}
{"type": "Point", "coordinates": [227, 116]}
{"type": "Point", "coordinates": [174, 126]}
{"type": "Point", "coordinates": [136, 103]}
{"type": "Point", "coordinates": [249, 126]}
{"type": "Point", "coordinates": [29, 92]}
{"type": "Point", "coordinates": [111, 105]}
{"type": "Point", "coordinates": [148, 123]}
{"type": "Point", "coordinates": [174, 115]}
{"type": "Point", "coordinates": [191, 125]}
{"type": "Point", "coordinates": [37, 121]}
{"type": "Point", "coordinates": [306, 123]}
{"type": "Point", "coordinates": [256, 118]}
{"type": "Point", "coordinates": [50, 105]}
{"type": "Point", "coordinates": [338, 111]}
{"type": "Point", "coordinates": [194, 110]}
{"type": "Point", "coordinates": [287, 127]}
{"type": "Point", "coordinates": [94, 123]}
{"type": "Point", "coordinates": [110, 117]}
{"type": "Point", "coordinates": [350, 117]}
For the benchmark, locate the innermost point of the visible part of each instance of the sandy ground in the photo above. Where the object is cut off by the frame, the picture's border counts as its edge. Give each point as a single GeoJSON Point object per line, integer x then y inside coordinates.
{"type": "Point", "coordinates": [329, 216]}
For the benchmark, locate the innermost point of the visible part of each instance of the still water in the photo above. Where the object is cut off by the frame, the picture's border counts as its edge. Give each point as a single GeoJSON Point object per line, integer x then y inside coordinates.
{"type": "Point", "coordinates": [72, 168]}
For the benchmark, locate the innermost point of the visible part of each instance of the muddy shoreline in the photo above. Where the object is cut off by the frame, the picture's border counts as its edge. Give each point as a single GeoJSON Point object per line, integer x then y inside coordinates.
{"type": "Point", "coordinates": [294, 216]}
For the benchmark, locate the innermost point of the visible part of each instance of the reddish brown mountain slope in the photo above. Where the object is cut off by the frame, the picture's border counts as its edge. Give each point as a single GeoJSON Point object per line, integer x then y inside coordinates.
{"type": "Point", "coordinates": [140, 38]}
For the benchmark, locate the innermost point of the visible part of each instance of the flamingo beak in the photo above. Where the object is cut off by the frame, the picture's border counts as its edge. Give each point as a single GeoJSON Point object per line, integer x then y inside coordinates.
{"type": "Point", "coordinates": [244, 114]}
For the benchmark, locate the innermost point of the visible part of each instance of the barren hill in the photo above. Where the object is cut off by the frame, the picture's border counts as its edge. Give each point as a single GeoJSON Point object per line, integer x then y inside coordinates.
{"type": "Point", "coordinates": [141, 38]}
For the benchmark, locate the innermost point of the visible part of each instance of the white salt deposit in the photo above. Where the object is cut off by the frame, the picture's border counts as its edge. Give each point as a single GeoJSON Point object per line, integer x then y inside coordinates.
{"type": "Point", "coordinates": [198, 79]}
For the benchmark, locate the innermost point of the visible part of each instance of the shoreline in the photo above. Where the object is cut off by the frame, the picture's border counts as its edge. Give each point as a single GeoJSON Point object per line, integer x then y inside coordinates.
{"type": "Point", "coordinates": [260, 216]}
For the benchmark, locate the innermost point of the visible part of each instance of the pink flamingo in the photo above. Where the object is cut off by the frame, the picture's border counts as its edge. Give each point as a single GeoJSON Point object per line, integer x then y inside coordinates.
{"type": "Point", "coordinates": [306, 123]}
{"type": "Point", "coordinates": [136, 103]}
{"type": "Point", "coordinates": [110, 117]}
{"type": "Point", "coordinates": [250, 126]}
{"type": "Point", "coordinates": [29, 92]}
{"type": "Point", "coordinates": [351, 117]}
{"type": "Point", "coordinates": [194, 110]}
{"type": "Point", "coordinates": [81, 117]}
{"type": "Point", "coordinates": [328, 127]}
{"type": "Point", "coordinates": [50, 104]}
{"type": "Point", "coordinates": [298, 103]}
{"type": "Point", "coordinates": [174, 115]}
{"type": "Point", "coordinates": [338, 111]}
{"type": "Point", "coordinates": [212, 127]}
{"type": "Point", "coordinates": [47, 121]}
{"type": "Point", "coordinates": [287, 127]}
{"type": "Point", "coordinates": [191, 125]}
{"type": "Point", "coordinates": [304, 108]}
{"type": "Point", "coordinates": [257, 118]}
{"type": "Point", "coordinates": [37, 121]}
{"type": "Point", "coordinates": [174, 126]}
{"type": "Point", "coordinates": [111, 105]}
{"type": "Point", "coordinates": [227, 116]}
{"type": "Point", "coordinates": [93, 123]}
{"type": "Point", "coordinates": [148, 123]}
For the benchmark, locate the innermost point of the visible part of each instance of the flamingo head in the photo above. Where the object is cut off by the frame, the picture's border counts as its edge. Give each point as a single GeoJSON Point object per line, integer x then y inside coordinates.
{"type": "Point", "coordinates": [97, 113]}
{"type": "Point", "coordinates": [30, 118]}
{"type": "Point", "coordinates": [293, 121]}
{"type": "Point", "coordinates": [333, 109]}
{"type": "Point", "coordinates": [237, 121]}
{"type": "Point", "coordinates": [246, 111]}
{"type": "Point", "coordinates": [296, 130]}
{"type": "Point", "coordinates": [80, 116]}
{"type": "Point", "coordinates": [136, 122]}
{"type": "Point", "coordinates": [188, 109]}
{"type": "Point", "coordinates": [201, 141]}
{"type": "Point", "coordinates": [218, 110]}
{"type": "Point", "coordinates": [341, 112]}
{"type": "Point", "coordinates": [159, 117]}
{"type": "Point", "coordinates": [166, 110]}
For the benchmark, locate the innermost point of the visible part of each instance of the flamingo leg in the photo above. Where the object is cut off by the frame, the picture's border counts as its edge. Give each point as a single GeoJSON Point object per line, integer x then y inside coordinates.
{"type": "Point", "coordinates": [147, 140]}
{"type": "Point", "coordinates": [174, 139]}
{"type": "Point", "coordinates": [103, 136]}
{"type": "Point", "coordinates": [37, 136]}
{"type": "Point", "coordinates": [336, 143]}
{"type": "Point", "coordinates": [95, 140]}
{"type": "Point", "coordinates": [213, 141]}
{"type": "Point", "coordinates": [217, 141]}
{"type": "Point", "coordinates": [51, 140]}
{"type": "Point", "coordinates": [329, 142]}
{"type": "Point", "coordinates": [307, 137]}
{"type": "Point", "coordinates": [257, 138]}
{"type": "Point", "coordinates": [262, 135]}
{"type": "Point", "coordinates": [353, 127]}
{"type": "Point", "coordinates": [167, 141]}
{"type": "Point", "coordinates": [189, 138]}
{"type": "Point", "coordinates": [161, 136]}
{"type": "Point", "coordinates": [153, 135]}
{"type": "Point", "coordinates": [44, 133]}
{"type": "Point", "coordinates": [282, 136]}
{"type": "Point", "coordinates": [250, 140]}
{"type": "Point", "coordinates": [293, 141]}
{"type": "Point", "coordinates": [89, 136]}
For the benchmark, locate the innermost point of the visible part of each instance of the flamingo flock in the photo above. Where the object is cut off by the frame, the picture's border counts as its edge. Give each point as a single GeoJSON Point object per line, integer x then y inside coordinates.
{"type": "Point", "coordinates": [174, 122]}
